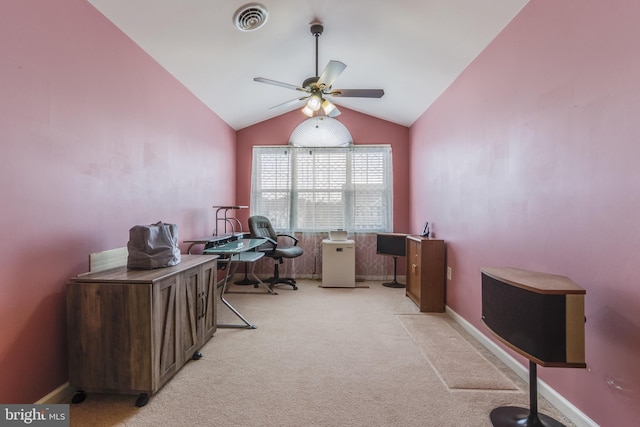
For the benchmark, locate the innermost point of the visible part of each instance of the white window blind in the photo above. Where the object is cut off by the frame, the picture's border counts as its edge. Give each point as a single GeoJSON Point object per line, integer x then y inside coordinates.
{"type": "Point", "coordinates": [321, 189]}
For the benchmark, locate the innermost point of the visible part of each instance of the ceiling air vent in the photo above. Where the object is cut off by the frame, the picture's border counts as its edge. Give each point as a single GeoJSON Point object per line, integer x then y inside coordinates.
{"type": "Point", "coordinates": [250, 17]}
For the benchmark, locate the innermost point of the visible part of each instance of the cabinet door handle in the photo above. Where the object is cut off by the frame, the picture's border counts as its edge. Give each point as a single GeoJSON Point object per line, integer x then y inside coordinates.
{"type": "Point", "coordinates": [413, 268]}
{"type": "Point", "coordinates": [203, 298]}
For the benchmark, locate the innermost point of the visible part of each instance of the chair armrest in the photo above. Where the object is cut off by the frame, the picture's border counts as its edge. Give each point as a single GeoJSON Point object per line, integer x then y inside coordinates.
{"type": "Point", "coordinates": [270, 241]}
{"type": "Point", "coordinates": [291, 237]}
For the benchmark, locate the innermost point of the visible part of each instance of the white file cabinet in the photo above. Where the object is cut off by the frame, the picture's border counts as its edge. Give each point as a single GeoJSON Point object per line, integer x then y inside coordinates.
{"type": "Point", "coordinates": [338, 264]}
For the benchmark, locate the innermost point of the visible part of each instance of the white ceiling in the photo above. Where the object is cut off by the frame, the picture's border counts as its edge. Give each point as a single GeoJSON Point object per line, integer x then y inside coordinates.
{"type": "Point", "coordinates": [413, 49]}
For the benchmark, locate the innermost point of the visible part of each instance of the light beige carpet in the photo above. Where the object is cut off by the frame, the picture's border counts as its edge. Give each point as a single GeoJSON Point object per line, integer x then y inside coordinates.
{"type": "Point", "coordinates": [320, 357]}
{"type": "Point", "coordinates": [457, 362]}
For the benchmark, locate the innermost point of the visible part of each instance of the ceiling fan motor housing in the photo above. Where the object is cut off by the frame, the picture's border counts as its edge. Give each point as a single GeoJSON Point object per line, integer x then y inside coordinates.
{"type": "Point", "coordinates": [311, 82]}
{"type": "Point", "coordinates": [316, 28]}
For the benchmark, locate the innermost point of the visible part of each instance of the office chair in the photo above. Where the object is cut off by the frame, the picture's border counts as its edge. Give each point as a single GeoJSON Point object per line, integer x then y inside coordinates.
{"type": "Point", "coordinates": [260, 227]}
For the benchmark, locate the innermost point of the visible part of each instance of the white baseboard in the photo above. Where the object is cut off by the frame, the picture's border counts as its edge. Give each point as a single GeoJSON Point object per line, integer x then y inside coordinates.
{"type": "Point", "coordinates": [60, 395]}
{"type": "Point", "coordinates": [579, 418]}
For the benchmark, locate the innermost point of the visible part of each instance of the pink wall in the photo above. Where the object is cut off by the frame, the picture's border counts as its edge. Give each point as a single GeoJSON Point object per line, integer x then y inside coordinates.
{"type": "Point", "coordinates": [363, 128]}
{"type": "Point", "coordinates": [530, 160]}
{"type": "Point", "coordinates": [96, 137]}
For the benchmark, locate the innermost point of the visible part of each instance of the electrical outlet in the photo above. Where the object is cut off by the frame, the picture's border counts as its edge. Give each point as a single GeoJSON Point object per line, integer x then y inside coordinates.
{"type": "Point", "coordinates": [448, 273]}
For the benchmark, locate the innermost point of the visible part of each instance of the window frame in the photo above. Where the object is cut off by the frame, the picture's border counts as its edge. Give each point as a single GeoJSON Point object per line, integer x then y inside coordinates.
{"type": "Point", "coordinates": [284, 210]}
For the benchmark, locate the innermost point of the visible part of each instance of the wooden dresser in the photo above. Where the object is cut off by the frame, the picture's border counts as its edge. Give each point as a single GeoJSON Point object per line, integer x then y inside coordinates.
{"type": "Point", "coordinates": [426, 273]}
{"type": "Point", "coordinates": [130, 331]}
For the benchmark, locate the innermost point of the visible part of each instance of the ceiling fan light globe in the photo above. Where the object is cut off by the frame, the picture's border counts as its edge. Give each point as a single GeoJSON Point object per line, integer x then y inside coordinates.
{"type": "Point", "coordinates": [314, 103]}
{"type": "Point", "coordinates": [328, 106]}
{"type": "Point", "coordinates": [307, 111]}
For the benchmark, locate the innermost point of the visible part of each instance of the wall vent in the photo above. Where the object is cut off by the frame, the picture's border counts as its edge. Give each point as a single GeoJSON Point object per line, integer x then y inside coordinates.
{"type": "Point", "coordinates": [250, 17]}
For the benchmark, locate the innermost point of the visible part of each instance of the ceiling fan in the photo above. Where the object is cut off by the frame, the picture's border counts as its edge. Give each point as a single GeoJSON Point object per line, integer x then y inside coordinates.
{"type": "Point", "coordinates": [319, 88]}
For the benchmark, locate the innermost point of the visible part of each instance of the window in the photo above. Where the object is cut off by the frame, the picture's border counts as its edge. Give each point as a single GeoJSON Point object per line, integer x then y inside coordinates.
{"type": "Point", "coordinates": [321, 189]}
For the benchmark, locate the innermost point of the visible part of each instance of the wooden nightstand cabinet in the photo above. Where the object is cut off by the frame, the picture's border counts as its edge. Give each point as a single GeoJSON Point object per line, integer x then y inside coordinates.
{"type": "Point", "coordinates": [426, 273]}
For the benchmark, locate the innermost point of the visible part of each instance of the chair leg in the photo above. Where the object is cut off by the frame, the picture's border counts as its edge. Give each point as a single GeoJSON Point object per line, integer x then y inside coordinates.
{"type": "Point", "coordinates": [277, 280]}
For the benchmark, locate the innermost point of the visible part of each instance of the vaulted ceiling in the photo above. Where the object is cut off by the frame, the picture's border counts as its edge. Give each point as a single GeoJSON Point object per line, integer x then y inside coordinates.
{"type": "Point", "coordinates": [413, 49]}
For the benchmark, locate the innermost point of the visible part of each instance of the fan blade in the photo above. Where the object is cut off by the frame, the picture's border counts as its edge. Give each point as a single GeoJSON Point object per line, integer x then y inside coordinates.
{"type": "Point", "coordinates": [288, 103]}
{"type": "Point", "coordinates": [357, 93]}
{"type": "Point", "coordinates": [330, 74]}
{"type": "Point", "coordinates": [276, 83]}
